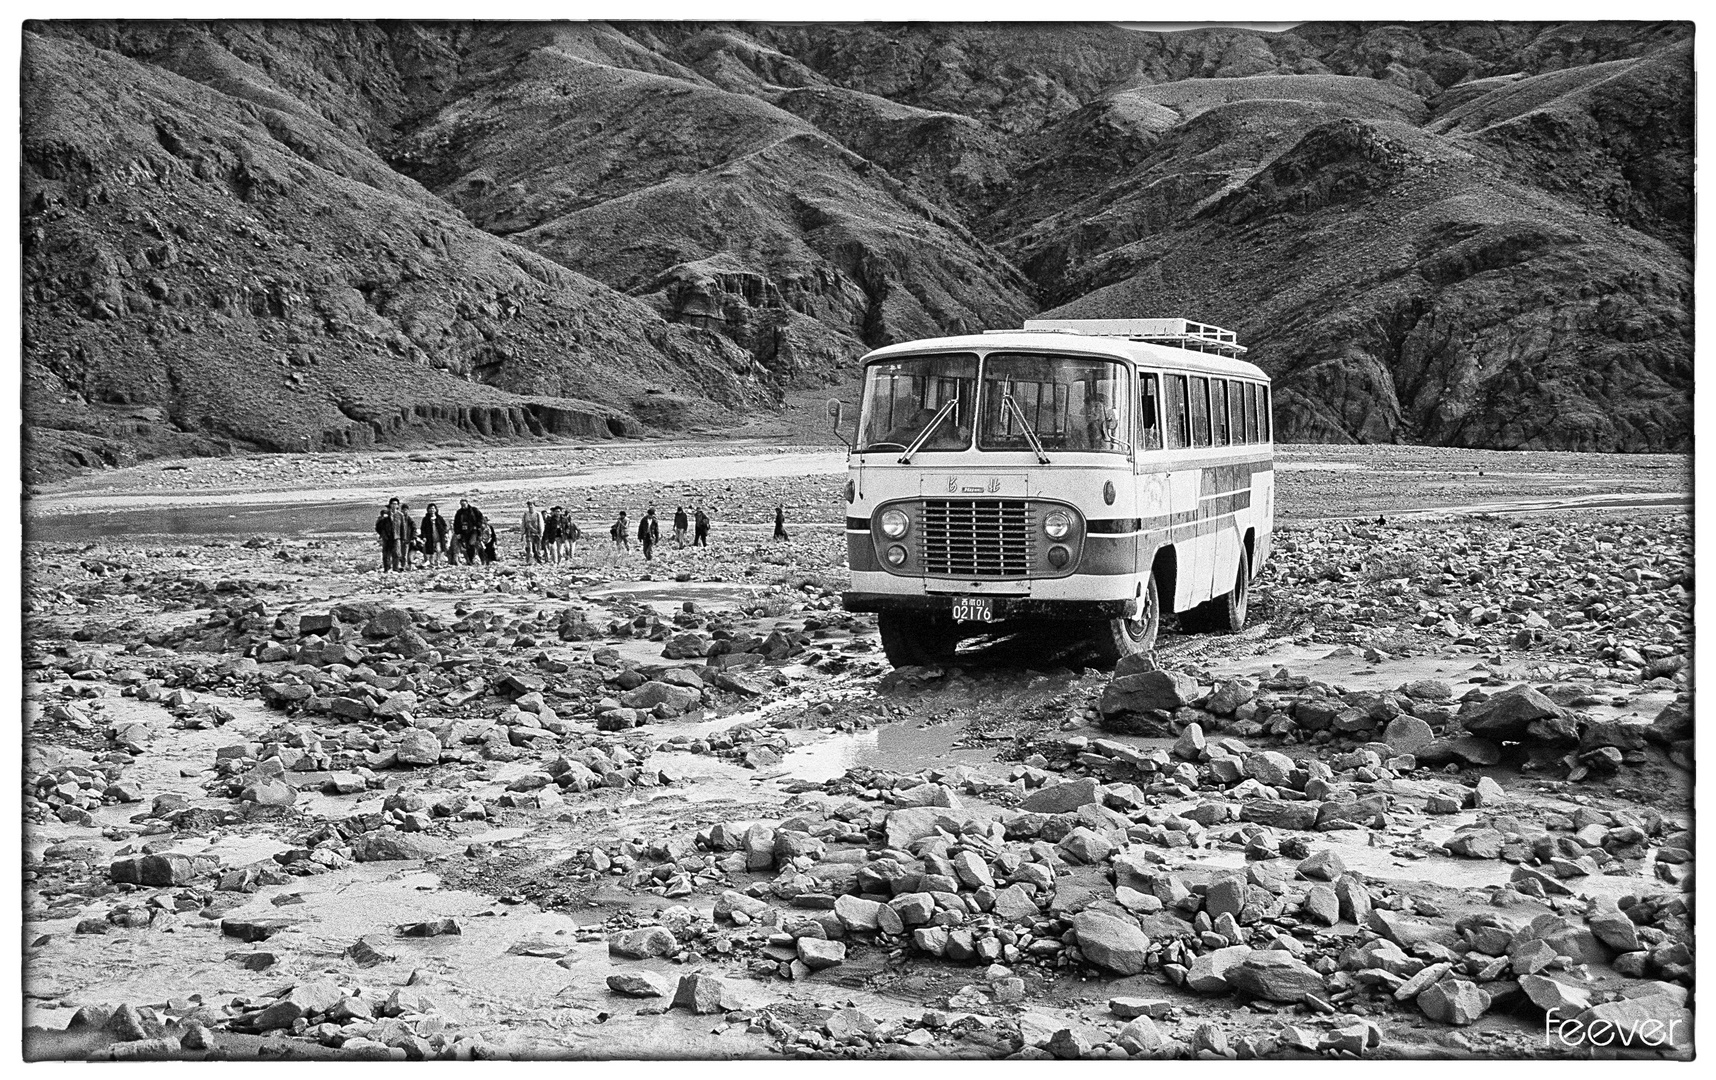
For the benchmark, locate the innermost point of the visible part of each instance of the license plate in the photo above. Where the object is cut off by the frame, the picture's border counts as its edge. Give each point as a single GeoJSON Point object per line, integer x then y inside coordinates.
{"type": "Point", "coordinates": [974, 609]}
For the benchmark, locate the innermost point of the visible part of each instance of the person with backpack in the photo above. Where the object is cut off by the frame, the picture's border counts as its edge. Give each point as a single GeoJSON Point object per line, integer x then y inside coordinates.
{"type": "Point", "coordinates": [467, 523]}
{"type": "Point", "coordinates": [621, 533]}
{"type": "Point", "coordinates": [701, 538]}
{"type": "Point", "coordinates": [486, 542]}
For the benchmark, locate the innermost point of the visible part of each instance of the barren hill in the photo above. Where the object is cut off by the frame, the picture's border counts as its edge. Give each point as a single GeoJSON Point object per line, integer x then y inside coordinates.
{"type": "Point", "coordinates": [261, 233]}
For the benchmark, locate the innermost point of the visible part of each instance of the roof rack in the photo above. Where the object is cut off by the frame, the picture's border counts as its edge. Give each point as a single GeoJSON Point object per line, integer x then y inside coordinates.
{"type": "Point", "coordinates": [1178, 333]}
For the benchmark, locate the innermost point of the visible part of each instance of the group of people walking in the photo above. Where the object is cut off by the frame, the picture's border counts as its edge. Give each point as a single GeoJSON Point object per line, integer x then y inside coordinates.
{"type": "Point", "coordinates": [549, 536]}
{"type": "Point", "coordinates": [403, 538]}
{"type": "Point", "coordinates": [649, 530]}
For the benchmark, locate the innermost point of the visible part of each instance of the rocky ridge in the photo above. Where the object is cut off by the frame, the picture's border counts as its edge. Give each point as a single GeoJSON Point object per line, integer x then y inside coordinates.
{"type": "Point", "coordinates": [1462, 234]}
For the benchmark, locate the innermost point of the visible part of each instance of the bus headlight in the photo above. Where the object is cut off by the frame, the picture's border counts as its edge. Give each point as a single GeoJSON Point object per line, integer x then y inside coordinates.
{"type": "Point", "coordinates": [1058, 556]}
{"type": "Point", "coordinates": [896, 555]}
{"type": "Point", "coordinates": [895, 523]}
{"type": "Point", "coordinates": [1057, 523]}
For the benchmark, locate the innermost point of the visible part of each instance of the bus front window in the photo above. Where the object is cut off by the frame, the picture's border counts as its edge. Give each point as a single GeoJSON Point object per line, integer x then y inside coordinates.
{"type": "Point", "coordinates": [903, 397]}
{"type": "Point", "coordinates": [1066, 402]}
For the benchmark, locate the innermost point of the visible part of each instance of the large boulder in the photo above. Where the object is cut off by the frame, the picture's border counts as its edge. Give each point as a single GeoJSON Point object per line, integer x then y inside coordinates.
{"type": "Point", "coordinates": [1110, 943]}
{"type": "Point", "coordinates": [418, 747]}
{"type": "Point", "coordinates": [1147, 691]}
{"type": "Point", "coordinates": [677, 698]}
{"type": "Point", "coordinates": [386, 845]}
{"type": "Point", "coordinates": [1061, 798]}
{"type": "Point", "coordinates": [1454, 1001]}
{"type": "Point", "coordinates": [1517, 714]}
{"type": "Point", "coordinates": [1275, 976]}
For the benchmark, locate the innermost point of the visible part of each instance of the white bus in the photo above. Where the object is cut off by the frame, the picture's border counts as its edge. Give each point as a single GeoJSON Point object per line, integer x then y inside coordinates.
{"type": "Point", "coordinates": [1089, 471]}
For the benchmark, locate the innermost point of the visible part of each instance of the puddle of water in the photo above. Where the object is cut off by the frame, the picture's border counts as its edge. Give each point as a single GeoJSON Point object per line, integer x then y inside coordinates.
{"type": "Point", "coordinates": [668, 597]}
{"type": "Point", "coordinates": [904, 747]}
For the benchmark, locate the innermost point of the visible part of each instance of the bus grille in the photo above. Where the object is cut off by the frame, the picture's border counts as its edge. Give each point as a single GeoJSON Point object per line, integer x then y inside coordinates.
{"type": "Point", "coordinates": [977, 537]}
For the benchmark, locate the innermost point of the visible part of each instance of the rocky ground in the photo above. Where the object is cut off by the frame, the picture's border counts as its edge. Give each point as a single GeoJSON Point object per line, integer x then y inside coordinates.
{"type": "Point", "coordinates": [1435, 798]}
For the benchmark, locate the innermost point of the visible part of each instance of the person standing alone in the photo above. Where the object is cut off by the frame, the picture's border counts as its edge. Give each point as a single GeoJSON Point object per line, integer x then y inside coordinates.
{"type": "Point", "coordinates": [780, 524]}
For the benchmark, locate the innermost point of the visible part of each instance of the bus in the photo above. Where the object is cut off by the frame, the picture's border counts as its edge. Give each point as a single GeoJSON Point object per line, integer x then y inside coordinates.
{"type": "Point", "coordinates": [1096, 472]}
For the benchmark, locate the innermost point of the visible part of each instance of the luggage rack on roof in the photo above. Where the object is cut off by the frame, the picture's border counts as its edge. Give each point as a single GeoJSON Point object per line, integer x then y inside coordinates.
{"type": "Point", "coordinates": [1179, 333]}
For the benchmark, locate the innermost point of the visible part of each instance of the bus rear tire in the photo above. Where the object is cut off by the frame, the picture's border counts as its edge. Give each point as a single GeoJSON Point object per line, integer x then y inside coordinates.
{"type": "Point", "coordinates": [1118, 638]}
{"type": "Point", "coordinates": [913, 640]}
{"type": "Point", "coordinates": [1223, 614]}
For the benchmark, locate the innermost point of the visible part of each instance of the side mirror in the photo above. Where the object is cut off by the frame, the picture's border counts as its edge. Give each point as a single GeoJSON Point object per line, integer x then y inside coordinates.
{"type": "Point", "coordinates": [836, 411]}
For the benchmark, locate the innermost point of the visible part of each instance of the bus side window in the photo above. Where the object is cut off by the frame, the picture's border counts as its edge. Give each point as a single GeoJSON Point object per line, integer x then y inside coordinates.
{"type": "Point", "coordinates": [1265, 422]}
{"type": "Point", "coordinates": [1236, 410]}
{"type": "Point", "coordinates": [1250, 411]}
{"type": "Point", "coordinates": [1149, 430]}
{"type": "Point", "coordinates": [1199, 394]}
{"type": "Point", "coordinates": [1177, 434]}
{"type": "Point", "coordinates": [1218, 412]}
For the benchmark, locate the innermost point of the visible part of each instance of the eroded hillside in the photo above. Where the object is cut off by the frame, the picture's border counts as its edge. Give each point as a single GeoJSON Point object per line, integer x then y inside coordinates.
{"type": "Point", "coordinates": [258, 234]}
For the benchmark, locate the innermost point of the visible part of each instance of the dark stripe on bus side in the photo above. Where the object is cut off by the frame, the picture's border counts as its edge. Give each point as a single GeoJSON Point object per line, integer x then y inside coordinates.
{"type": "Point", "coordinates": [1099, 526]}
{"type": "Point", "coordinates": [857, 524]}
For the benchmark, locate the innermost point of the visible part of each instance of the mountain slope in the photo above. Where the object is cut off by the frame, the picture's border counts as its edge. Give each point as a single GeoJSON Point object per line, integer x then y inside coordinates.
{"type": "Point", "coordinates": [190, 276]}
{"type": "Point", "coordinates": [250, 233]}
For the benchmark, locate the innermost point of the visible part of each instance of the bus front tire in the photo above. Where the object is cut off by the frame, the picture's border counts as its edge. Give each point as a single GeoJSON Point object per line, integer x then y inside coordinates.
{"type": "Point", "coordinates": [1223, 614]}
{"type": "Point", "coordinates": [912, 640]}
{"type": "Point", "coordinates": [1117, 638]}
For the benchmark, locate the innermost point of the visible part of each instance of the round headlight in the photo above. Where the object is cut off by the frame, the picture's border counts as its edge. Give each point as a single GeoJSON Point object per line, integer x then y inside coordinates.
{"type": "Point", "coordinates": [1058, 556]}
{"type": "Point", "coordinates": [896, 555]}
{"type": "Point", "coordinates": [894, 523]}
{"type": "Point", "coordinates": [1057, 523]}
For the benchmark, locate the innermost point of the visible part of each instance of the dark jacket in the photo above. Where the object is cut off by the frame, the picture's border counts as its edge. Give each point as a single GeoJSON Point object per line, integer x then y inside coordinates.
{"type": "Point", "coordinates": [702, 521]}
{"type": "Point", "coordinates": [434, 532]}
{"type": "Point", "coordinates": [467, 521]}
{"type": "Point", "coordinates": [680, 521]}
{"type": "Point", "coordinates": [401, 529]}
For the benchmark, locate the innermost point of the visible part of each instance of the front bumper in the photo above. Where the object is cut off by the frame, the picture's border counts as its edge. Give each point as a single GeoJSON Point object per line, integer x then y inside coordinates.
{"type": "Point", "coordinates": [1006, 607]}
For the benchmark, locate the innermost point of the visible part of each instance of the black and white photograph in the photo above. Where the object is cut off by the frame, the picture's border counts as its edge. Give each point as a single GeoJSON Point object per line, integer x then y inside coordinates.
{"type": "Point", "coordinates": [576, 538]}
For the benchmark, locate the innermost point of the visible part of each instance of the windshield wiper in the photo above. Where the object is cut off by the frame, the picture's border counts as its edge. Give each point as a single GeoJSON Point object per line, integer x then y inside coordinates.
{"type": "Point", "coordinates": [1007, 402]}
{"type": "Point", "coordinates": [923, 436]}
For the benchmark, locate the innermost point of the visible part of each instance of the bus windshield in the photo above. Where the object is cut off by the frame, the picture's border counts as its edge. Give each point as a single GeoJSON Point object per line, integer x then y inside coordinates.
{"type": "Point", "coordinates": [903, 397]}
{"type": "Point", "coordinates": [1067, 402]}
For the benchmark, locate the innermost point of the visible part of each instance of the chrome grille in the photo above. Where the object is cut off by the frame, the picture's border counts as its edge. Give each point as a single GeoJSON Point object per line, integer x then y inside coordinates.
{"type": "Point", "coordinates": [977, 537]}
